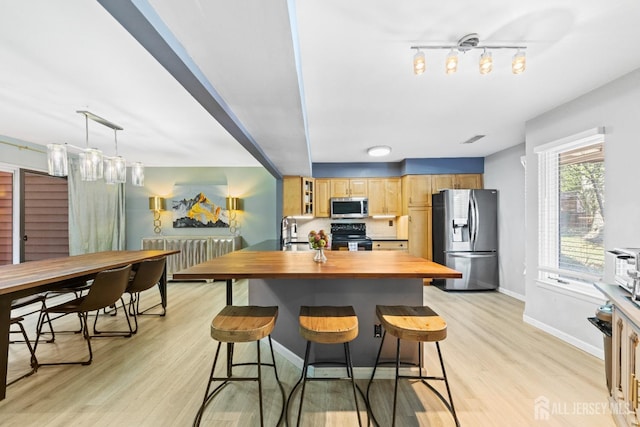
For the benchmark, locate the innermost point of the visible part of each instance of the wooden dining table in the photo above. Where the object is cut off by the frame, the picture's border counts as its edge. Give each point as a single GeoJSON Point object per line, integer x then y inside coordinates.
{"type": "Point", "coordinates": [33, 277]}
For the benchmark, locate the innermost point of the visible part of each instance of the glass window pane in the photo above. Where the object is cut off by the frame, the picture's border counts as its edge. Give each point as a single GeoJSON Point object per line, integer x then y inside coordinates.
{"type": "Point", "coordinates": [581, 209]}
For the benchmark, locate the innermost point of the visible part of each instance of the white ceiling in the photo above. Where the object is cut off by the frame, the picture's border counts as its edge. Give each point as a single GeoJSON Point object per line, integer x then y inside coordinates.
{"type": "Point", "coordinates": [285, 84]}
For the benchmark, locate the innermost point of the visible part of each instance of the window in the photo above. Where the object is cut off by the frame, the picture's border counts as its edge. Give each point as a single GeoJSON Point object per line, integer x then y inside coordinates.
{"type": "Point", "coordinates": [571, 215]}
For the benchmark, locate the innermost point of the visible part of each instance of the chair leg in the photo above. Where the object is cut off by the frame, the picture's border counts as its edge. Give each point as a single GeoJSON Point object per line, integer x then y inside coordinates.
{"type": "Point", "coordinates": [395, 388]}
{"type": "Point", "coordinates": [275, 370]}
{"type": "Point", "coordinates": [260, 383]}
{"type": "Point", "coordinates": [114, 333]}
{"type": "Point", "coordinates": [446, 383]}
{"type": "Point", "coordinates": [373, 374]}
{"type": "Point", "coordinates": [353, 381]}
{"type": "Point", "coordinates": [305, 367]}
{"type": "Point", "coordinates": [33, 361]}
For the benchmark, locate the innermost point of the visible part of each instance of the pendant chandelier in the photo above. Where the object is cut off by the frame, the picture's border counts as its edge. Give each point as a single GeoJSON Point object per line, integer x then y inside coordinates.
{"type": "Point", "coordinates": [93, 164]}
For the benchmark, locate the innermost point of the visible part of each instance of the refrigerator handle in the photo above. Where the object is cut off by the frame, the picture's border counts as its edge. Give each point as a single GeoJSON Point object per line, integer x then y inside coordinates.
{"type": "Point", "coordinates": [474, 219]}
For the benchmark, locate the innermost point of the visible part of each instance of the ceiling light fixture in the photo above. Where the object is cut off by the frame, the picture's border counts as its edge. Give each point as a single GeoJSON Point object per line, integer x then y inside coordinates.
{"type": "Point", "coordinates": [486, 63]}
{"type": "Point", "coordinates": [379, 151]}
{"type": "Point", "coordinates": [93, 164]}
{"type": "Point", "coordinates": [419, 63]}
{"type": "Point", "coordinates": [451, 64]}
{"type": "Point", "coordinates": [465, 44]}
{"type": "Point", "coordinates": [519, 63]}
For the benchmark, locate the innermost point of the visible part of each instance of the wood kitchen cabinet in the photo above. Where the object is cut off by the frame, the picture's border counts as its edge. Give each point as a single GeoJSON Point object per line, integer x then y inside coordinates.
{"type": "Point", "coordinates": [457, 181]}
{"type": "Point", "coordinates": [322, 193]}
{"type": "Point", "coordinates": [416, 191]}
{"type": "Point", "coordinates": [297, 196]}
{"type": "Point", "coordinates": [625, 383]}
{"type": "Point", "coordinates": [349, 187]}
{"type": "Point", "coordinates": [384, 196]}
{"type": "Point", "coordinates": [420, 232]}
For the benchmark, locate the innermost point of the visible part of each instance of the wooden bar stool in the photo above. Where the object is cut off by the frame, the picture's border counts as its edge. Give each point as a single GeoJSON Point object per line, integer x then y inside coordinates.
{"type": "Point", "coordinates": [236, 324]}
{"type": "Point", "coordinates": [327, 325]}
{"type": "Point", "coordinates": [419, 324]}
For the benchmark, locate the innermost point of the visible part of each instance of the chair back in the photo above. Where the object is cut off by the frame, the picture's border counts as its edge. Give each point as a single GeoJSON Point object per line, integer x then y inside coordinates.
{"type": "Point", "coordinates": [106, 289]}
{"type": "Point", "coordinates": [147, 275]}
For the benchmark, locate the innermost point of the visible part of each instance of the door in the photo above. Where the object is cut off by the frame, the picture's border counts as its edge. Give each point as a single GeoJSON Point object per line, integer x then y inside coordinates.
{"type": "Point", "coordinates": [6, 217]}
{"type": "Point", "coordinates": [479, 270]}
{"type": "Point", "coordinates": [44, 221]}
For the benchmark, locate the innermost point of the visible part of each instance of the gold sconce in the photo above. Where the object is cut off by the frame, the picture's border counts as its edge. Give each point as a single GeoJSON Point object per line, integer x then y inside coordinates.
{"type": "Point", "coordinates": [233, 205]}
{"type": "Point", "coordinates": [157, 204]}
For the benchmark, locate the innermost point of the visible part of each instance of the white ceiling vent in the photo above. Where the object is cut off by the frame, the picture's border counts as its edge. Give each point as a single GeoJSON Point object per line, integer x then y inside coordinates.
{"type": "Point", "coordinates": [473, 139]}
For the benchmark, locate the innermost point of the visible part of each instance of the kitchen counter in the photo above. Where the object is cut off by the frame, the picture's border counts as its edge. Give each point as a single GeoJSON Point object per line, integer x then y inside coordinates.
{"type": "Point", "coordinates": [289, 279]}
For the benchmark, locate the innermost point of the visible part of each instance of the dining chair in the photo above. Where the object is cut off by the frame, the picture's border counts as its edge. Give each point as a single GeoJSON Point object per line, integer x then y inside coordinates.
{"type": "Point", "coordinates": [107, 288]}
{"type": "Point", "coordinates": [147, 274]}
{"type": "Point", "coordinates": [17, 320]}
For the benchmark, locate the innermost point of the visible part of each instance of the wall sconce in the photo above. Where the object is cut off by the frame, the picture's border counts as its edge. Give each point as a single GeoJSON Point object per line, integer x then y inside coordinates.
{"type": "Point", "coordinates": [157, 204]}
{"type": "Point", "coordinates": [233, 205]}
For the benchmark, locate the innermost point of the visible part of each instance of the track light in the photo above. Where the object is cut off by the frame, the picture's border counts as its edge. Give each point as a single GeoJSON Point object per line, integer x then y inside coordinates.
{"type": "Point", "coordinates": [451, 64]}
{"type": "Point", "coordinates": [519, 63]}
{"type": "Point", "coordinates": [464, 45]}
{"type": "Point", "coordinates": [486, 63]}
{"type": "Point", "coordinates": [419, 63]}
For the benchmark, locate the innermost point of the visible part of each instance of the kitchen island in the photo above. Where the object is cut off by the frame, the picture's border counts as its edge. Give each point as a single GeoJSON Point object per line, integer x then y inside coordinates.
{"type": "Point", "coordinates": [290, 279]}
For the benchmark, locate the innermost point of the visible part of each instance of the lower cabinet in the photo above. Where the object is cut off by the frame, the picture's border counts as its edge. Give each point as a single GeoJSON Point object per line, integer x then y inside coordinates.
{"type": "Point", "coordinates": [420, 232]}
{"type": "Point", "coordinates": [390, 245]}
{"type": "Point", "coordinates": [625, 383]}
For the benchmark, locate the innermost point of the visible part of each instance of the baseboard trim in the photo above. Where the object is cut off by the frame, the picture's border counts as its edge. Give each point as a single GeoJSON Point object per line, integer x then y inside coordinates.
{"type": "Point", "coordinates": [584, 346]}
{"type": "Point", "coordinates": [511, 294]}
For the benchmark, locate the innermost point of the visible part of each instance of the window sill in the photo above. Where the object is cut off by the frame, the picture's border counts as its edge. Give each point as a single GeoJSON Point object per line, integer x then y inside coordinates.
{"type": "Point", "coordinates": [583, 291]}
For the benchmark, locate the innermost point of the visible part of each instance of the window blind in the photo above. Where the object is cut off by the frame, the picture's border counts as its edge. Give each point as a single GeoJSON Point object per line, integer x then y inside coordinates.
{"type": "Point", "coordinates": [571, 208]}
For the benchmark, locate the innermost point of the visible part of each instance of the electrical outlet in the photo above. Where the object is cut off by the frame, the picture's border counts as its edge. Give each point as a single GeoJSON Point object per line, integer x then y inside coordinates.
{"type": "Point", "coordinates": [390, 223]}
{"type": "Point", "coordinates": [377, 330]}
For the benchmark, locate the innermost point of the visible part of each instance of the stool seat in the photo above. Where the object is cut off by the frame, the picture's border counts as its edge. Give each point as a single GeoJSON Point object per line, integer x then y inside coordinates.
{"type": "Point", "coordinates": [243, 323]}
{"type": "Point", "coordinates": [419, 323]}
{"type": "Point", "coordinates": [328, 324]}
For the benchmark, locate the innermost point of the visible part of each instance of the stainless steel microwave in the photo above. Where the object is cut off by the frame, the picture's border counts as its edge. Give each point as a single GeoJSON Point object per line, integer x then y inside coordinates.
{"type": "Point", "coordinates": [349, 207]}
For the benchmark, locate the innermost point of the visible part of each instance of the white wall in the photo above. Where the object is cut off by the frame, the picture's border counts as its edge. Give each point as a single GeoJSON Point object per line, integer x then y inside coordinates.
{"type": "Point", "coordinates": [504, 172]}
{"type": "Point", "coordinates": [616, 106]}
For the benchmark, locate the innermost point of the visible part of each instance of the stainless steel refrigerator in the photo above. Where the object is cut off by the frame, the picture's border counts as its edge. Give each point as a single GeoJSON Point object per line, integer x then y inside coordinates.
{"type": "Point", "coordinates": [465, 237]}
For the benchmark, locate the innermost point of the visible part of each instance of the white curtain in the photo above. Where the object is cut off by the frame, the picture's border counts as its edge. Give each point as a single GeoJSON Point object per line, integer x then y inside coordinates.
{"type": "Point", "coordinates": [96, 214]}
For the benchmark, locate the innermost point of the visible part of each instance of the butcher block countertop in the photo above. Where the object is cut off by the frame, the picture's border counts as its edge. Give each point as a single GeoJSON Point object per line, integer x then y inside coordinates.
{"type": "Point", "coordinates": [248, 264]}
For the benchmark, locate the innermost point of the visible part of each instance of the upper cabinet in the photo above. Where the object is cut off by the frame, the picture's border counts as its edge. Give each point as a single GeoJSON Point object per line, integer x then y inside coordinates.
{"type": "Point", "coordinates": [467, 180]}
{"type": "Point", "coordinates": [349, 187]}
{"type": "Point", "coordinates": [322, 192]}
{"type": "Point", "coordinates": [297, 196]}
{"type": "Point", "coordinates": [416, 191]}
{"type": "Point", "coordinates": [384, 196]}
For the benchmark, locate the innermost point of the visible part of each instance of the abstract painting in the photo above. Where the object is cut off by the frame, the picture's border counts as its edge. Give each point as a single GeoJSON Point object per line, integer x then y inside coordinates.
{"type": "Point", "coordinates": [200, 208]}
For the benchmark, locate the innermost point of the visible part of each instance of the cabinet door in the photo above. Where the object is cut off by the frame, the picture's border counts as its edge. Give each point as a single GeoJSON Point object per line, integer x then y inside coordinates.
{"type": "Point", "coordinates": [442, 182]}
{"type": "Point", "coordinates": [632, 377]}
{"type": "Point", "coordinates": [339, 188]}
{"type": "Point", "coordinates": [358, 187]}
{"type": "Point", "coordinates": [420, 232]}
{"type": "Point", "coordinates": [377, 195]}
{"type": "Point", "coordinates": [416, 190]}
{"type": "Point", "coordinates": [393, 196]}
{"type": "Point", "coordinates": [322, 191]}
{"type": "Point", "coordinates": [291, 195]}
{"type": "Point", "coordinates": [308, 196]}
{"type": "Point", "coordinates": [469, 180]}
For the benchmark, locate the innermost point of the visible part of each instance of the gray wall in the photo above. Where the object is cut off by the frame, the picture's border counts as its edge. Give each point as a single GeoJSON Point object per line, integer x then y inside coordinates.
{"type": "Point", "coordinates": [253, 185]}
{"type": "Point", "coordinates": [504, 172]}
{"type": "Point", "coordinates": [616, 106]}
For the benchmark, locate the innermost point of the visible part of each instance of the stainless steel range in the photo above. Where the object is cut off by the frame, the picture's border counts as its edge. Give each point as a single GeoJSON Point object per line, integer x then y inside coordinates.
{"type": "Point", "coordinates": [344, 235]}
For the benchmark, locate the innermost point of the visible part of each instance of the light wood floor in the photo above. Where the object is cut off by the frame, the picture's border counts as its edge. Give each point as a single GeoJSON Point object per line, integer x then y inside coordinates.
{"type": "Point", "coordinates": [498, 366]}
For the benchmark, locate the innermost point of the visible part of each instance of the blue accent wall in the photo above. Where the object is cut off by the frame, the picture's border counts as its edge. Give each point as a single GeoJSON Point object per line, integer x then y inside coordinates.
{"type": "Point", "coordinates": [435, 166]}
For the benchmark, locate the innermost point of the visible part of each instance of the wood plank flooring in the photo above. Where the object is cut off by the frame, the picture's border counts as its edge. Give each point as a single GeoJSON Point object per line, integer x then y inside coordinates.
{"type": "Point", "coordinates": [498, 366]}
